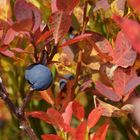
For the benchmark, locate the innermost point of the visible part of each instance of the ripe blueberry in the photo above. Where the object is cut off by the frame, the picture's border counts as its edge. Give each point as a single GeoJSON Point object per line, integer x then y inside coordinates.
{"type": "Point", "coordinates": [63, 82]}
{"type": "Point", "coordinates": [39, 76]}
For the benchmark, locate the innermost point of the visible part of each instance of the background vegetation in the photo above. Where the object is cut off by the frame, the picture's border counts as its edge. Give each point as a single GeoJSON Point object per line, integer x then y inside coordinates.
{"type": "Point", "coordinates": [95, 41]}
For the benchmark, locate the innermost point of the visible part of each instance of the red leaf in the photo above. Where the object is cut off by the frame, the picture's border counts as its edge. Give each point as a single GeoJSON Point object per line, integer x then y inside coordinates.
{"type": "Point", "coordinates": [54, 6]}
{"type": "Point", "coordinates": [23, 25]}
{"type": "Point", "coordinates": [56, 118]}
{"type": "Point", "coordinates": [86, 85]}
{"type": "Point", "coordinates": [3, 47]}
{"type": "Point", "coordinates": [74, 40]}
{"type": "Point", "coordinates": [19, 50]}
{"type": "Point", "coordinates": [102, 46]}
{"type": "Point", "coordinates": [121, 78]}
{"type": "Point", "coordinates": [131, 30]}
{"type": "Point", "coordinates": [107, 92]}
{"type": "Point", "coordinates": [66, 5]}
{"type": "Point", "coordinates": [9, 37]}
{"type": "Point", "coordinates": [135, 4]}
{"type": "Point", "coordinates": [67, 115]}
{"type": "Point", "coordinates": [124, 55]}
{"type": "Point", "coordinates": [52, 117]}
{"type": "Point", "coordinates": [94, 116]}
{"type": "Point", "coordinates": [24, 10]}
{"type": "Point", "coordinates": [78, 110]}
{"type": "Point", "coordinates": [132, 84]}
{"type": "Point", "coordinates": [64, 97]}
{"type": "Point", "coordinates": [100, 134]}
{"type": "Point", "coordinates": [81, 131]}
{"type": "Point", "coordinates": [7, 53]}
{"type": "Point", "coordinates": [44, 36]}
{"type": "Point", "coordinates": [40, 115]}
{"type": "Point", "coordinates": [60, 23]}
{"type": "Point", "coordinates": [50, 137]}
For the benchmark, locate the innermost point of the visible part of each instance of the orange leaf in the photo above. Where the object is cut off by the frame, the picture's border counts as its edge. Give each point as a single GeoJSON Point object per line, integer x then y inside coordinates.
{"type": "Point", "coordinates": [23, 25]}
{"type": "Point", "coordinates": [40, 115]}
{"type": "Point", "coordinates": [47, 96]}
{"type": "Point", "coordinates": [44, 36]}
{"type": "Point", "coordinates": [94, 116]}
{"type": "Point", "coordinates": [78, 110]}
{"type": "Point", "coordinates": [135, 4]}
{"type": "Point", "coordinates": [101, 132]}
{"type": "Point", "coordinates": [81, 131]}
{"type": "Point", "coordinates": [50, 137]}
{"type": "Point", "coordinates": [74, 40]}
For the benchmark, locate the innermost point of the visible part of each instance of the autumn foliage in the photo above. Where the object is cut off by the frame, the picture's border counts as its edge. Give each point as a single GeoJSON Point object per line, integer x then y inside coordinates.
{"type": "Point", "coordinates": [91, 49]}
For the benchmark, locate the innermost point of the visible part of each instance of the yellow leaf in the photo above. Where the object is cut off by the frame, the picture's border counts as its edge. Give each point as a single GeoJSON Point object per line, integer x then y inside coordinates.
{"type": "Point", "coordinates": [5, 9]}
{"type": "Point", "coordinates": [118, 7]}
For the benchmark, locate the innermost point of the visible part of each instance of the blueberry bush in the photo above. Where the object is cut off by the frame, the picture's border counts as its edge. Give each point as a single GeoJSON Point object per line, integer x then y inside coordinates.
{"type": "Point", "coordinates": [69, 69]}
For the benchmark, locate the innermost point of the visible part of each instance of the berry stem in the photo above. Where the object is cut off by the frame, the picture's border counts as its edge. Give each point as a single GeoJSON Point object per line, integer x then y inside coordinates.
{"type": "Point", "coordinates": [26, 101]}
{"type": "Point", "coordinates": [19, 112]}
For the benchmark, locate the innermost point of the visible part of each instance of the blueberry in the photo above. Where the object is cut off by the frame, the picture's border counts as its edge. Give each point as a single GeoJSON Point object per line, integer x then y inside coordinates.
{"type": "Point", "coordinates": [63, 82]}
{"type": "Point", "coordinates": [39, 76]}
{"type": "Point", "coordinates": [2, 123]}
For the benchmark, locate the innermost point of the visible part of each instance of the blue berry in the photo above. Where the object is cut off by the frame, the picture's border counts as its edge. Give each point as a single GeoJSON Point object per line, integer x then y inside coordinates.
{"type": "Point", "coordinates": [38, 76]}
{"type": "Point", "coordinates": [2, 123]}
{"type": "Point", "coordinates": [63, 82]}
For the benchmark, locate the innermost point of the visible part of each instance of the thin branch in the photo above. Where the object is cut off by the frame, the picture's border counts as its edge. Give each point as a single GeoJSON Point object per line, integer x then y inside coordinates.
{"type": "Point", "coordinates": [24, 125]}
{"type": "Point", "coordinates": [9, 103]}
{"type": "Point", "coordinates": [44, 57]}
{"type": "Point", "coordinates": [85, 20]}
{"type": "Point", "coordinates": [18, 112]}
{"type": "Point", "coordinates": [26, 101]}
{"type": "Point", "coordinates": [34, 46]}
{"type": "Point", "coordinates": [54, 51]}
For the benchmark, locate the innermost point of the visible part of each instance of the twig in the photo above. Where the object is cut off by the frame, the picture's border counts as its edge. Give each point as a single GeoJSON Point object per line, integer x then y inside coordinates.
{"type": "Point", "coordinates": [44, 57]}
{"type": "Point", "coordinates": [34, 46]}
{"type": "Point", "coordinates": [85, 20]}
{"type": "Point", "coordinates": [9, 103]}
{"type": "Point", "coordinates": [24, 125]}
{"type": "Point", "coordinates": [18, 112]}
{"type": "Point", "coordinates": [54, 51]}
{"type": "Point", "coordinates": [26, 101]}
